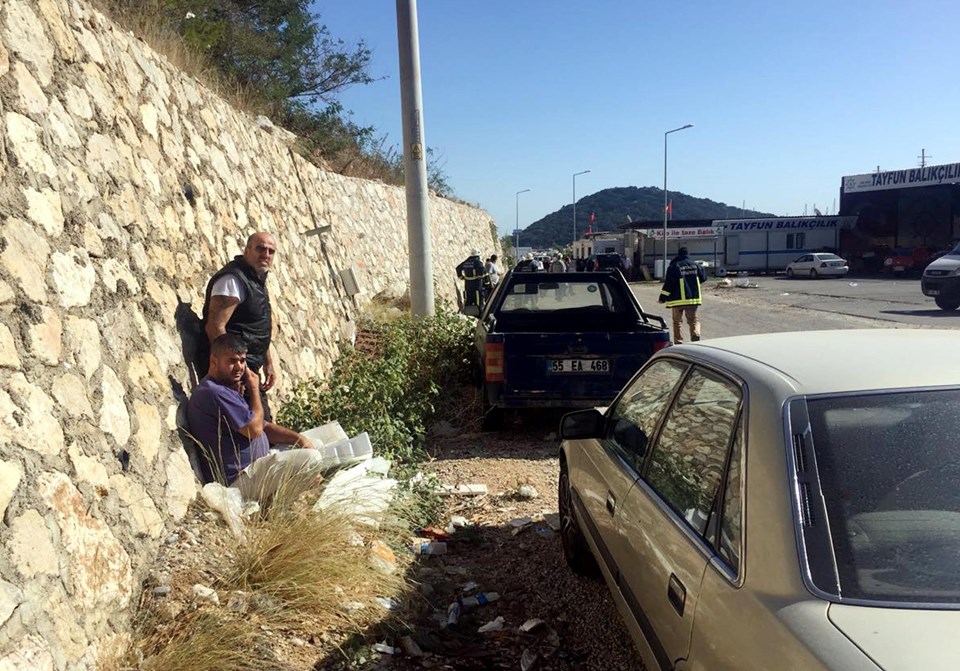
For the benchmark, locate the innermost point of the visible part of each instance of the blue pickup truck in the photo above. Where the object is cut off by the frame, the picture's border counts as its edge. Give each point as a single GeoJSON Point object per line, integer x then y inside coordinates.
{"type": "Point", "coordinates": [561, 340]}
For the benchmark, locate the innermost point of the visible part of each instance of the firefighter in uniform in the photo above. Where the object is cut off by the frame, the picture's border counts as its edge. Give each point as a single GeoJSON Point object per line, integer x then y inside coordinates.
{"type": "Point", "coordinates": [681, 293]}
{"type": "Point", "coordinates": [472, 272]}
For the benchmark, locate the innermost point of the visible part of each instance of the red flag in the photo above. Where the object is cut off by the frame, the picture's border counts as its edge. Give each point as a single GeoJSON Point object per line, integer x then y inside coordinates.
{"type": "Point", "coordinates": [669, 208]}
{"type": "Point", "coordinates": [593, 217]}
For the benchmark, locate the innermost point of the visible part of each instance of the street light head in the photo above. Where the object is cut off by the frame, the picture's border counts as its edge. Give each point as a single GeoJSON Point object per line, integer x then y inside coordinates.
{"type": "Point", "coordinates": [689, 125]}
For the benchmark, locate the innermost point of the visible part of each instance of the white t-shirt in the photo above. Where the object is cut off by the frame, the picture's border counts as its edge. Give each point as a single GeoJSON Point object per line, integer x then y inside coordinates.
{"type": "Point", "coordinates": [229, 286]}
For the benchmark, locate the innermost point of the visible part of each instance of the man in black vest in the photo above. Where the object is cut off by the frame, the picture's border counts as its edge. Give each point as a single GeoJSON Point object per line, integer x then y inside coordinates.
{"type": "Point", "coordinates": [236, 301]}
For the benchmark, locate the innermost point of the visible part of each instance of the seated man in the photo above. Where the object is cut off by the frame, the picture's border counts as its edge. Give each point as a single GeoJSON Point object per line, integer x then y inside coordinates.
{"type": "Point", "coordinates": [234, 436]}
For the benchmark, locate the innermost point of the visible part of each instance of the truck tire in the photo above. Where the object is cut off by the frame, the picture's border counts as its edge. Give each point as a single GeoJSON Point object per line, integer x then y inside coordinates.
{"type": "Point", "coordinates": [575, 549]}
{"type": "Point", "coordinates": [492, 419]}
{"type": "Point", "coordinates": [950, 302]}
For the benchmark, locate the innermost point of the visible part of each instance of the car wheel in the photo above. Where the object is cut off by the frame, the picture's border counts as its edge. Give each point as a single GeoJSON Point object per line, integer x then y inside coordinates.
{"type": "Point", "coordinates": [948, 302]}
{"type": "Point", "coordinates": [575, 548]}
{"type": "Point", "coordinates": [492, 419]}
{"type": "Point", "coordinates": [813, 274]}
{"type": "Point", "coordinates": [790, 273]}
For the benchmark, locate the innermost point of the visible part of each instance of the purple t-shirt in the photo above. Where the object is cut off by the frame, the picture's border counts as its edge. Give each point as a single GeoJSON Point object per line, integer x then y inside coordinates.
{"type": "Point", "coordinates": [215, 414]}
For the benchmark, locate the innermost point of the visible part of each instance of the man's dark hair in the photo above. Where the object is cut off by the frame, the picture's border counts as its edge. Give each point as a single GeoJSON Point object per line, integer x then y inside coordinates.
{"type": "Point", "coordinates": [493, 258]}
{"type": "Point", "coordinates": [683, 251]}
{"type": "Point", "coordinates": [228, 342]}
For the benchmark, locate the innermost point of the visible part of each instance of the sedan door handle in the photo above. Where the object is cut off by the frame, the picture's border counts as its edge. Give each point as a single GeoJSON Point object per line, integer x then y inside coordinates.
{"type": "Point", "coordinates": [676, 593]}
{"type": "Point", "coordinates": [611, 504]}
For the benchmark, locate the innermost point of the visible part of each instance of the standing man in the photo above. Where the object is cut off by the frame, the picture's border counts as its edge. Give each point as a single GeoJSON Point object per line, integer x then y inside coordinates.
{"type": "Point", "coordinates": [225, 416]}
{"type": "Point", "coordinates": [236, 301]}
{"type": "Point", "coordinates": [493, 271]}
{"type": "Point", "coordinates": [472, 272]}
{"type": "Point", "coordinates": [627, 267]}
{"type": "Point", "coordinates": [681, 293]}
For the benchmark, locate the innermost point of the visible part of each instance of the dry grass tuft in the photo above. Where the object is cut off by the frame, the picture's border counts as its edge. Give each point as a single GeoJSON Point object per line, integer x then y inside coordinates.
{"type": "Point", "coordinates": [310, 564]}
{"type": "Point", "coordinates": [202, 642]}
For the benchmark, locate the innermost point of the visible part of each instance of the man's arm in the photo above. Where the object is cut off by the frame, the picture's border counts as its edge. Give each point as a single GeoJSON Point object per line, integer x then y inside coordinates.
{"type": "Point", "coordinates": [281, 435]}
{"type": "Point", "coordinates": [219, 313]}
{"type": "Point", "coordinates": [255, 426]}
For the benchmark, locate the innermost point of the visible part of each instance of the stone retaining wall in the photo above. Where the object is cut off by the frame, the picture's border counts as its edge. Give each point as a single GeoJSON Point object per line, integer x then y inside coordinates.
{"type": "Point", "coordinates": [124, 184]}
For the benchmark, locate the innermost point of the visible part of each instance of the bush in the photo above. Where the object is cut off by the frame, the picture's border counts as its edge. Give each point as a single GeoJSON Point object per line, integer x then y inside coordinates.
{"type": "Point", "coordinates": [393, 392]}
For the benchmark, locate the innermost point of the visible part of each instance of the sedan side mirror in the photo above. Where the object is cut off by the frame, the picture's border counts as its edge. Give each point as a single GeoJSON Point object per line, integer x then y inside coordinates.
{"type": "Point", "coordinates": [582, 424]}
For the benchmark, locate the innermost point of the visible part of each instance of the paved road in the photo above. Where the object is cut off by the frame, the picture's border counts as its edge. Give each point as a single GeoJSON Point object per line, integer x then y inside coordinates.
{"type": "Point", "coordinates": [779, 304]}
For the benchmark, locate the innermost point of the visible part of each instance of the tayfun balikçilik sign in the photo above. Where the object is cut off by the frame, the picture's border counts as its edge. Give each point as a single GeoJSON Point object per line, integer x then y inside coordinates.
{"type": "Point", "coordinates": [898, 179]}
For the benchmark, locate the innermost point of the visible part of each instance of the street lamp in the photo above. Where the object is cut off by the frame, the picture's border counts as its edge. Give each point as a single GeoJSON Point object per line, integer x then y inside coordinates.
{"type": "Point", "coordinates": [516, 230]}
{"type": "Point", "coordinates": [575, 203]}
{"type": "Point", "coordinates": [689, 125]}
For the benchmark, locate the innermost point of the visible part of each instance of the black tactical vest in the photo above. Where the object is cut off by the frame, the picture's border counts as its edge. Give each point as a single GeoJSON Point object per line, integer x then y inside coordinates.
{"type": "Point", "coordinates": [251, 319]}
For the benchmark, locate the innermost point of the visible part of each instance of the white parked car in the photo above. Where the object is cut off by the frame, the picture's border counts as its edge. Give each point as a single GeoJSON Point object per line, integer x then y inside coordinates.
{"type": "Point", "coordinates": [818, 264]}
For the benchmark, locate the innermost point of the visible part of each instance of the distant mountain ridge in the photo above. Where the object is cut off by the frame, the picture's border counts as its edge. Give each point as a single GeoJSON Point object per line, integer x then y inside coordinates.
{"type": "Point", "coordinates": [616, 206]}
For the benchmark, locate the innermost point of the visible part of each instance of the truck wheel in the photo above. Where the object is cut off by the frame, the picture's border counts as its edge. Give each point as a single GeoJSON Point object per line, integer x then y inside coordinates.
{"type": "Point", "coordinates": [492, 419]}
{"type": "Point", "coordinates": [575, 548]}
{"type": "Point", "coordinates": [948, 302]}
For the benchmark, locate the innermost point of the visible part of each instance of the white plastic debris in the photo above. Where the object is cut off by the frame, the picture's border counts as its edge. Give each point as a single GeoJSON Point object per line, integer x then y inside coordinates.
{"type": "Point", "coordinates": [469, 586]}
{"type": "Point", "coordinates": [362, 490]}
{"type": "Point", "coordinates": [383, 648]}
{"type": "Point", "coordinates": [327, 434]}
{"type": "Point", "coordinates": [531, 624]}
{"type": "Point", "coordinates": [228, 502]}
{"type": "Point", "coordinates": [336, 450]}
{"type": "Point", "coordinates": [425, 546]}
{"type": "Point", "coordinates": [492, 625]}
{"type": "Point", "coordinates": [205, 593]}
{"type": "Point", "coordinates": [463, 490]}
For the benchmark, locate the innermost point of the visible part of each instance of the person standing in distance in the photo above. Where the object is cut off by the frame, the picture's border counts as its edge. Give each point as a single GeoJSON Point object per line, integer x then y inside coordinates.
{"type": "Point", "coordinates": [237, 301]}
{"type": "Point", "coordinates": [681, 293]}
{"type": "Point", "coordinates": [472, 272]}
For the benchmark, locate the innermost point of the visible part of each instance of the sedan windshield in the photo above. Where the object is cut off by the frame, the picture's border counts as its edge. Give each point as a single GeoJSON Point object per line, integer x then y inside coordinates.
{"type": "Point", "coordinates": [889, 470]}
{"type": "Point", "coordinates": [828, 257]}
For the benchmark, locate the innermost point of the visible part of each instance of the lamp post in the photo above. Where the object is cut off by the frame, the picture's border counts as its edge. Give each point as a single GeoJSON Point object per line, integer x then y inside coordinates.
{"type": "Point", "coordinates": [575, 203]}
{"type": "Point", "coordinates": [689, 125]}
{"type": "Point", "coordinates": [516, 230]}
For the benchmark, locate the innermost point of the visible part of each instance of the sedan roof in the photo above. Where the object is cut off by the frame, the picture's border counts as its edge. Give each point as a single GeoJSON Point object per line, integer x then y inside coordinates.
{"type": "Point", "coordinates": [842, 360]}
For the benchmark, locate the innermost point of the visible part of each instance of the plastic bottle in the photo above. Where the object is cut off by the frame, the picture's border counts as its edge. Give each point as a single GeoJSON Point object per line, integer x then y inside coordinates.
{"type": "Point", "coordinates": [478, 599]}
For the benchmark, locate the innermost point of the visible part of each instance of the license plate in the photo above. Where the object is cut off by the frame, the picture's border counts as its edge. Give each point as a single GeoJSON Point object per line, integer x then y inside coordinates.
{"type": "Point", "coordinates": [933, 292]}
{"type": "Point", "coordinates": [898, 269]}
{"type": "Point", "coordinates": [578, 365]}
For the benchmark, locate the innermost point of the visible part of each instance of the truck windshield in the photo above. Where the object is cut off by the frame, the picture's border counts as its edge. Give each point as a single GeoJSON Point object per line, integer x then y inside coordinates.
{"type": "Point", "coordinates": [531, 295]}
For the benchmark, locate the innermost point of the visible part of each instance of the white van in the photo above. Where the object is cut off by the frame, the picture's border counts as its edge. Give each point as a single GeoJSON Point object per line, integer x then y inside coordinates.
{"type": "Point", "coordinates": [941, 280]}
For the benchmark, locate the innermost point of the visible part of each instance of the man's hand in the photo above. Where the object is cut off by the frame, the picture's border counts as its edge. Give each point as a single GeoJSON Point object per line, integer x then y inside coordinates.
{"type": "Point", "coordinates": [269, 376]}
{"type": "Point", "coordinates": [251, 380]}
{"type": "Point", "coordinates": [304, 442]}
{"type": "Point", "coordinates": [662, 299]}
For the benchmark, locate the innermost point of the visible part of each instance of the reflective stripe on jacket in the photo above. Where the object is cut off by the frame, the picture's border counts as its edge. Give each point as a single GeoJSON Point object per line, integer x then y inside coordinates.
{"type": "Point", "coordinates": [682, 284]}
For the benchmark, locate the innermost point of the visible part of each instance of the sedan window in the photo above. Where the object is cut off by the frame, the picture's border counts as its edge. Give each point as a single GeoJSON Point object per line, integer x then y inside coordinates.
{"type": "Point", "coordinates": [687, 465]}
{"type": "Point", "coordinates": [635, 417]}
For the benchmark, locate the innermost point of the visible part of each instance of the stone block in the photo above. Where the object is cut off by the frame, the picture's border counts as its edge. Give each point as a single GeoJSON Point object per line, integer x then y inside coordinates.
{"type": "Point", "coordinates": [102, 156]}
{"type": "Point", "coordinates": [78, 102]}
{"type": "Point", "coordinates": [30, 100]}
{"type": "Point", "coordinates": [71, 393]}
{"type": "Point", "coordinates": [45, 210]}
{"type": "Point", "coordinates": [6, 293]}
{"type": "Point", "coordinates": [25, 258]}
{"type": "Point", "coordinates": [4, 60]}
{"type": "Point", "coordinates": [98, 571]}
{"type": "Point", "coordinates": [24, 35]}
{"type": "Point", "coordinates": [37, 428]}
{"type": "Point", "coordinates": [10, 598]}
{"type": "Point", "coordinates": [114, 271]}
{"type": "Point", "coordinates": [62, 36]}
{"type": "Point", "coordinates": [149, 430]}
{"type": "Point", "coordinates": [82, 339]}
{"type": "Point", "coordinates": [73, 276]}
{"type": "Point", "coordinates": [62, 126]}
{"type": "Point", "coordinates": [114, 418]}
{"type": "Point", "coordinates": [10, 474]}
{"type": "Point", "coordinates": [145, 372]}
{"type": "Point", "coordinates": [31, 547]}
{"type": "Point", "coordinates": [24, 141]}
{"type": "Point", "coordinates": [9, 358]}
{"type": "Point", "coordinates": [45, 340]}
{"type": "Point", "coordinates": [139, 508]}
{"type": "Point", "coordinates": [88, 469]}
{"type": "Point", "coordinates": [181, 483]}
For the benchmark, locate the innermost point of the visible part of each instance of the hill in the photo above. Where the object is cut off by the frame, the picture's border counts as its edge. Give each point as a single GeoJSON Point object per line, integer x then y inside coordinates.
{"type": "Point", "coordinates": [619, 205]}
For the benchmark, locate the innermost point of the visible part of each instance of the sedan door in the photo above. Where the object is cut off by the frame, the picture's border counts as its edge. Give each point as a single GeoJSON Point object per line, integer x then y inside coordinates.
{"type": "Point", "coordinates": [803, 264]}
{"type": "Point", "coordinates": [609, 467]}
{"type": "Point", "coordinates": [664, 521]}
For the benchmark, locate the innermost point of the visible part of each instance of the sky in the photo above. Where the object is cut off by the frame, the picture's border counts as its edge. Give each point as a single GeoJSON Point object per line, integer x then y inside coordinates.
{"type": "Point", "coordinates": [785, 97]}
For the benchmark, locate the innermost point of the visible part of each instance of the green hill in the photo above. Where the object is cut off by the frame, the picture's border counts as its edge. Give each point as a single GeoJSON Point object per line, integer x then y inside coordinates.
{"type": "Point", "coordinates": [616, 206]}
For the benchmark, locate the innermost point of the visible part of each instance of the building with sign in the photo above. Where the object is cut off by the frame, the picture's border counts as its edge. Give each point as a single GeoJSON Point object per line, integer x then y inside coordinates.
{"type": "Point", "coordinates": [735, 245]}
{"type": "Point", "coordinates": [900, 208]}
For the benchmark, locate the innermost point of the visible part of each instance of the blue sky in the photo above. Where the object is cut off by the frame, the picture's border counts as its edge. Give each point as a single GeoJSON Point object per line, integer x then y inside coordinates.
{"type": "Point", "coordinates": [785, 97]}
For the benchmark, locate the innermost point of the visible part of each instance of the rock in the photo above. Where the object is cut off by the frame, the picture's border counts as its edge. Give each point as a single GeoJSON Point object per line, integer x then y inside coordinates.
{"type": "Point", "coordinates": [527, 492]}
{"type": "Point", "coordinates": [71, 393]}
{"type": "Point", "coordinates": [10, 598]}
{"type": "Point", "coordinates": [9, 358]}
{"type": "Point", "coordinates": [29, 653]}
{"type": "Point", "coordinates": [31, 546]}
{"type": "Point", "coordinates": [444, 429]}
{"type": "Point", "coordinates": [87, 469]}
{"type": "Point", "coordinates": [10, 474]}
{"type": "Point", "coordinates": [113, 413]}
{"type": "Point", "coordinates": [204, 593]}
{"type": "Point", "coordinates": [24, 140]}
{"type": "Point", "coordinates": [24, 35]}
{"type": "Point", "coordinates": [181, 483]}
{"type": "Point", "coordinates": [25, 258]}
{"type": "Point", "coordinates": [31, 100]}
{"type": "Point", "coordinates": [45, 339]}
{"type": "Point", "coordinates": [171, 539]}
{"type": "Point", "coordinates": [161, 590]}
{"type": "Point", "coordinates": [82, 340]}
{"type": "Point", "coordinates": [73, 276]}
{"type": "Point", "coordinates": [37, 427]}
